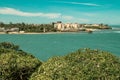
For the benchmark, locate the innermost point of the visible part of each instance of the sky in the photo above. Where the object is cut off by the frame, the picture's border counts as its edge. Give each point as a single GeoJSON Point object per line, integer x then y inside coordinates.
{"type": "Point", "coordinates": [67, 11]}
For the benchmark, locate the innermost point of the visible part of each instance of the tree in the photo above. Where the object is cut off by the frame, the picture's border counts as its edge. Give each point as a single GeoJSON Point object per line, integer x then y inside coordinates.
{"type": "Point", "coordinates": [2, 24]}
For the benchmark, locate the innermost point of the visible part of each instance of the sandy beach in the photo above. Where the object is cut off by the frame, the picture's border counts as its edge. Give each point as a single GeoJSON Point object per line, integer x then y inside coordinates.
{"type": "Point", "coordinates": [2, 33]}
{"type": "Point", "coordinates": [36, 33]}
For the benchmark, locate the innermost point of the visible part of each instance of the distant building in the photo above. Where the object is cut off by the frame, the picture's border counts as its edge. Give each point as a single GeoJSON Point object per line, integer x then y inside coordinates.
{"type": "Point", "coordinates": [78, 27]}
{"type": "Point", "coordinates": [58, 26]}
{"type": "Point", "coordinates": [91, 25]}
{"type": "Point", "coordinates": [96, 25]}
{"type": "Point", "coordinates": [66, 27]}
{"type": "Point", "coordinates": [14, 29]}
{"type": "Point", "coordinates": [22, 32]}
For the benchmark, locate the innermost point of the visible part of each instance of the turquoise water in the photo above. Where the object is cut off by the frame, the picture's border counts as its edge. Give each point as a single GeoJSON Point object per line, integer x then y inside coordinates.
{"type": "Point", "coordinates": [44, 46]}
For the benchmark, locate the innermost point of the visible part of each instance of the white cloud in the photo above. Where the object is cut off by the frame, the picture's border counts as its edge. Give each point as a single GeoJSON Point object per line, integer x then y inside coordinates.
{"type": "Point", "coordinates": [87, 4]}
{"type": "Point", "coordinates": [12, 11]}
{"type": "Point", "coordinates": [83, 20]}
{"type": "Point", "coordinates": [67, 17]}
{"type": "Point", "coordinates": [79, 3]}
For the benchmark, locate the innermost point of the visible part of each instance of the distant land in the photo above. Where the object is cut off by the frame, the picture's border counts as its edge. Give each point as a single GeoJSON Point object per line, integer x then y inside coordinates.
{"type": "Point", "coordinates": [16, 28]}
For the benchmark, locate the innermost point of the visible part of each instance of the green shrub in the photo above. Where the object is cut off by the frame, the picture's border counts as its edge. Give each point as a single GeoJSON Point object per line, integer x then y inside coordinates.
{"type": "Point", "coordinates": [84, 64]}
{"type": "Point", "coordinates": [16, 64]}
{"type": "Point", "coordinates": [8, 45]}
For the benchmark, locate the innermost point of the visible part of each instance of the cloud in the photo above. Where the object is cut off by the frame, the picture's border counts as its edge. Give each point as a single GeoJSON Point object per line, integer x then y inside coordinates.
{"type": "Point", "coordinates": [12, 11]}
{"type": "Point", "coordinates": [79, 3]}
{"type": "Point", "coordinates": [83, 20]}
{"type": "Point", "coordinates": [68, 17]}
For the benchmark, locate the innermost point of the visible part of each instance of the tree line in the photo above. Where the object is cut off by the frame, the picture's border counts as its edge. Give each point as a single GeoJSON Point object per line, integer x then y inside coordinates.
{"type": "Point", "coordinates": [29, 27]}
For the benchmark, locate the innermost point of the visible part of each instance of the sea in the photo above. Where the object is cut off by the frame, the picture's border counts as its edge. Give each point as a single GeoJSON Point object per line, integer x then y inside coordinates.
{"type": "Point", "coordinates": [45, 46]}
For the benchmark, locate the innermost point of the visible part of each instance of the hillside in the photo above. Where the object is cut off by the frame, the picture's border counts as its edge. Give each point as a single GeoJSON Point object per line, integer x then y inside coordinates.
{"type": "Point", "coordinates": [84, 64]}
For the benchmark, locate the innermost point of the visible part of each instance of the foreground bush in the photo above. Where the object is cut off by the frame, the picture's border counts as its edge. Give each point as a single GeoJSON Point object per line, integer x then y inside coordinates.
{"type": "Point", "coordinates": [8, 45]}
{"type": "Point", "coordinates": [16, 64]}
{"type": "Point", "coordinates": [84, 64]}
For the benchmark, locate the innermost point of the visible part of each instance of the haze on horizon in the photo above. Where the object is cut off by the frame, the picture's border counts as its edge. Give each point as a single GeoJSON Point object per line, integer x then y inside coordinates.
{"type": "Point", "coordinates": [46, 11]}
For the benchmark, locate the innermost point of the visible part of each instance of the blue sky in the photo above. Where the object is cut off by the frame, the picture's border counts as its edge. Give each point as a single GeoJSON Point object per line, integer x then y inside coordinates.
{"type": "Point", "coordinates": [46, 11]}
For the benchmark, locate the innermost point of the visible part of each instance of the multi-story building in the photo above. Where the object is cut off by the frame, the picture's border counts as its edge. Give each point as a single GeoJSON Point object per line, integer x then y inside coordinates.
{"type": "Point", "coordinates": [66, 27]}
{"type": "Point", "coordinates": [78, 27]}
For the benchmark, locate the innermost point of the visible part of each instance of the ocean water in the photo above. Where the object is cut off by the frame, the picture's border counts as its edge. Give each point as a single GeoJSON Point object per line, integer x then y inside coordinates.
{"type": "Point", "coordinates": [44, 46]}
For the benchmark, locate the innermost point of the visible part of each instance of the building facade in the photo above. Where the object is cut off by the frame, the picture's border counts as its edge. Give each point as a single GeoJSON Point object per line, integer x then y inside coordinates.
{"type": "Point", "coordinates": [66, 26]}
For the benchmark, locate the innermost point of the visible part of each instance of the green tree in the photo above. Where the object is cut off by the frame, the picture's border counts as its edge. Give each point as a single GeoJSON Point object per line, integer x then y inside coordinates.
{"type": "Point", "coordinates": [2, 24]}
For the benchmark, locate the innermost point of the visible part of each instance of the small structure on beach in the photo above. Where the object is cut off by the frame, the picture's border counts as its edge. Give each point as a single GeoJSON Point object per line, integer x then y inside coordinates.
{"type": "Point", "coordinates": [12, 30]}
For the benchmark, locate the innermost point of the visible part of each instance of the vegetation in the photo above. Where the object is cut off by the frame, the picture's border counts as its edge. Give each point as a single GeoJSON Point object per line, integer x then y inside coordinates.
{"type": "Point", "coordinates": [29, 27]}
{"type": "Point", "coordinates": [101, 26]}
{"type": "Point", "coordinates": [47, 27]}
{"type": "Point", "coordinates": [84, 64]}
{"type": "Point", "coordinates": [7, 45]}
{"type": "Point", "coordinates": [16, 64]}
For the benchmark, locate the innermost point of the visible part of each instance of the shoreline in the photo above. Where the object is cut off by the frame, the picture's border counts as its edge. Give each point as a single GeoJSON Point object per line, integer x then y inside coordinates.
{"type": "Point", "coordinates": [87, 31]}
{"type": "Point", "coordinates": [38, 33]}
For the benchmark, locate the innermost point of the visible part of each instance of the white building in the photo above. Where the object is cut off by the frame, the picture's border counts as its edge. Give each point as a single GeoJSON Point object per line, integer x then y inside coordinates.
{"type": "Point", "coordinates": [66, 26]}
{"type": "Point", "coordinates": [89, 25]}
